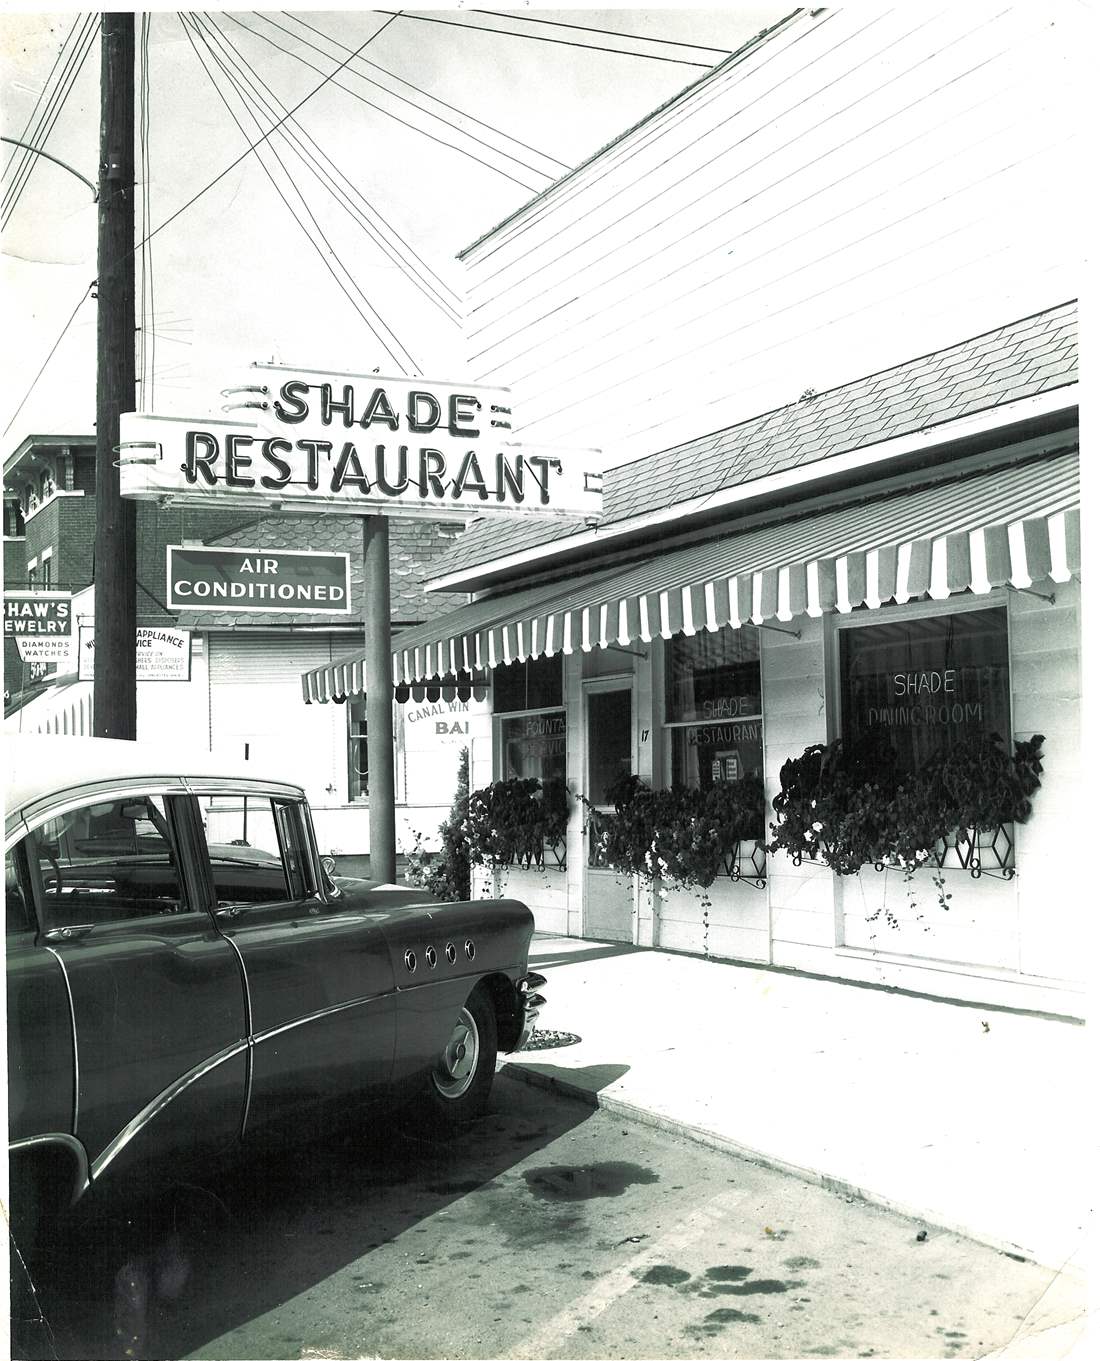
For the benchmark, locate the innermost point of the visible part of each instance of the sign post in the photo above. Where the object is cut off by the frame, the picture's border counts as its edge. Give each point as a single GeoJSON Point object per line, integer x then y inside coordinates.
{"type": "Point", "coordinates": [378, 665]}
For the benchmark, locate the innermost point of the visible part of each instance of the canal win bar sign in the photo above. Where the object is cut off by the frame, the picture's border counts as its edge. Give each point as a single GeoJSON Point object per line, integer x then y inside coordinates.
{"type": "Point", "coordinates": [302, 439]}
{"type": "Point", "coordinates": [41, 622]}
{"type": "Point", "coordinates": [254, 579]}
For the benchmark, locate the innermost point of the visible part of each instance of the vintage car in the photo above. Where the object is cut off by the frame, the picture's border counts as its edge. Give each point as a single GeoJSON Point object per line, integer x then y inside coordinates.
{"type": "Point", "coordinates": [184, 971]}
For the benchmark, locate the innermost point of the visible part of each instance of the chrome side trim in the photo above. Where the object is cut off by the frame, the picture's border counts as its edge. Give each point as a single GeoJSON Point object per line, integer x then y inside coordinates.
{"type": "Point", "coordinates": [51, 806]}
{"type": "Point", "coordinates": [163, 1099]}
{"type": "Point", "coordinates": [72, 1024]}
{"type": "Point", "coordinates": [318, 1016]}
{"type": "Point", "coordinates": [67, 1141]}
{"type": "Point", "coordinates": [248, 1076]}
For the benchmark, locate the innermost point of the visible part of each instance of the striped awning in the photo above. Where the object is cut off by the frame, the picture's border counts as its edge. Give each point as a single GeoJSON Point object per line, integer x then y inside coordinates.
{"type": "Point", "coordinates": [1015, 526]}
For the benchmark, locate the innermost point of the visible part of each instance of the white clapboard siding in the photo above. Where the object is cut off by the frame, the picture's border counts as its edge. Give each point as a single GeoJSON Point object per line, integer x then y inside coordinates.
{"type": "Point", "coordinates": [862, 187]}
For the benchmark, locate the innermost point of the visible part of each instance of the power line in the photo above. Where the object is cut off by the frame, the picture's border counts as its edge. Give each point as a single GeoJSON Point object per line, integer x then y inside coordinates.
{"type": "Point", "coordinates": [73, 66]}
{"type": "Point", "coordinates": [343, 195]}
{"type": "Point", "coordinates": [538, 38]}
{"type": "Point", "coordinates": [74, 63]}
{"type": "Point", "coordinates": [605, 32]}
{"type": "Point", "coordinates": [397, 119]}
{"type": "Point", "coordinates": [248, 150]}
{"type": "Point", "coordinates": [42, 92]}
{"type": "Point", "coordinates": [53, 349]}
{"type": "Point", "coordinates": [434, 98]}
{"type": "Point", "coordinates": [331, 251]}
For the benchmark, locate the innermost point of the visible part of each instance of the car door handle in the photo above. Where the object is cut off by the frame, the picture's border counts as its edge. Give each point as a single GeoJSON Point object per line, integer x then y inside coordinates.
{"type": "Point", "coordinates": [227, 911]}
{"type": "Point", "coordinates": [68, 932]}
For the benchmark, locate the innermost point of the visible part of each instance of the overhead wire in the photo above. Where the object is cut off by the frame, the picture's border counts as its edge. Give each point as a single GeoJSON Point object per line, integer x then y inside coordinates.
{"type": "Point", "coordinates": [47, 120]}
{"type": "Point", "coordinates": [260, 140]}
{"type": "Point", "coordinates": [23, 137]}
{"type": "Point", "coordinates": [53, 349]}
{"type": "Point", "coordinates": [392, 75]}
{"type": "Point", "coordinates": [192, 28]}
{"type": "Point", "coordinates": [538, 37]}
{"type": "Point", "coordinates": [388, 113]}
{"type": "Point", "coordinates": [604, 32]}
{"type": "Point", "coordinates": [258, 100]}
{"type": "Point", "coordinates": [172, 217]}
{"type": "Point", "coordinates": [74, 64]}
{"type": "Point", "coordinates": [347, 194]}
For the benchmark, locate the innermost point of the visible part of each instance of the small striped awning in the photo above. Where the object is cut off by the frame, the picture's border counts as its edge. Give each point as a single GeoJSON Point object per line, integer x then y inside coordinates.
{"type": "Point", "coordinates": [1014, 526]}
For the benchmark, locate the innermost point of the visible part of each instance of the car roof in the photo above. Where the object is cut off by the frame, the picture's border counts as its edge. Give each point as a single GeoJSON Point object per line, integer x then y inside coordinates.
{"type": "Point", "coordinates": [38, 765]}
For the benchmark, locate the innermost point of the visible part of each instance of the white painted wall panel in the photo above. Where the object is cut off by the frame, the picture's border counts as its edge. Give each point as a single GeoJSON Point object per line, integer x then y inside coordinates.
{"type": "Point", "coordinates": [863, 188]}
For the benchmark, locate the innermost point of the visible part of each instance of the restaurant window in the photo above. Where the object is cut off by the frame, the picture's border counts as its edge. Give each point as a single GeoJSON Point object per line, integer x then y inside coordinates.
{"type": "Point", "coordinates": [713, 707]}
{"type": "Point", "coordinates": [530, 717]}
{"type": "Point", "coordinates": [928, 682]}
{"type": "Point", "coordinates": [358, 769]}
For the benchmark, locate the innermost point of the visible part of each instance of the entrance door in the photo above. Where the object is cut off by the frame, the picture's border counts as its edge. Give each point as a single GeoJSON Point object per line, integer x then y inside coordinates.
{"type": "Point", "coordinates": [609, 755]}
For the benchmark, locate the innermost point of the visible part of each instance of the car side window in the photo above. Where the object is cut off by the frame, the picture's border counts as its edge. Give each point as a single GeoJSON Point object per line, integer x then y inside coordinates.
{"type": "Point", "coordinates": [108, 862]}
{"type": "Point", "coordinates": [17, 903]}
{"type": "Point", "coordinates": [258, 849]}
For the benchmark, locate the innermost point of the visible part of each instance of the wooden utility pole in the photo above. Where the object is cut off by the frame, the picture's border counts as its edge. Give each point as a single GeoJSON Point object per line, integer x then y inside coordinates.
{"type": "Point", "coordinates": [378, 694]}
{"type": "Point", "coordinates": [114, 698]}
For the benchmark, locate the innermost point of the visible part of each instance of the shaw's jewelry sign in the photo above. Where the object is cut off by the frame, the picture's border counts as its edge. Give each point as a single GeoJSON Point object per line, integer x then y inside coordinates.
{"type": "Point", "coordinates": [362, 445]}
{"type": "Point", "coordinates": [41, 622]}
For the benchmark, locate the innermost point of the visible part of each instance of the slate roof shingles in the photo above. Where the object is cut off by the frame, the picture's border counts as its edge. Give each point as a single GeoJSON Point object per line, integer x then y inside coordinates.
{"type": "Point", "coordinates": [1014, 361]}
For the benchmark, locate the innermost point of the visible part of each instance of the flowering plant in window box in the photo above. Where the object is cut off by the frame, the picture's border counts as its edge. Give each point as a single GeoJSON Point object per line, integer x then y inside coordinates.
{"type": "Point", "coordinates": [684, 837]}
{"type": "Point", "coordinates": [513, 822]}
{"type": "Point", "coordinates": [847, 805]}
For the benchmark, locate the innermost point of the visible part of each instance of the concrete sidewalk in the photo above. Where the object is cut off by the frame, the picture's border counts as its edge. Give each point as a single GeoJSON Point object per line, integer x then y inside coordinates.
{"type": "Point", "coordinates": [975, 1120]}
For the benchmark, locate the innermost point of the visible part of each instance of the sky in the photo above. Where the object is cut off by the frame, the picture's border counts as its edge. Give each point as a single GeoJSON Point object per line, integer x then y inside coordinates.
{"type": "Point", "coordinates": [228, 275]}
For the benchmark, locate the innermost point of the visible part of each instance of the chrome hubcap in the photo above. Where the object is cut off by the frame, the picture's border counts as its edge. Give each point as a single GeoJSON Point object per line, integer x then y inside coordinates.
{"type": "Point", "coordinates": [457, 1064]}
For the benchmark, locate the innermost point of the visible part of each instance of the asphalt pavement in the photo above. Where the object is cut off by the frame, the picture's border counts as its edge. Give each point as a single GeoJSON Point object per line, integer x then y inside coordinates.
{"type": "Point", "coordinates": [977, 1120]}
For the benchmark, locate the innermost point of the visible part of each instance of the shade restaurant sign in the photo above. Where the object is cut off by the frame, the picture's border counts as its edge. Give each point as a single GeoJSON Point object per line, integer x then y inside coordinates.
{"type": "Point", "coordinates": [303, 440]}
{"type": "Point", "coordinates": [256, 579]}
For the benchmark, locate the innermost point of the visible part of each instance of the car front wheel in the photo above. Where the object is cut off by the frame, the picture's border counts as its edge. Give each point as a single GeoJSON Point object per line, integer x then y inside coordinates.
{"type": "Point", "coordinates": [463, 1072]}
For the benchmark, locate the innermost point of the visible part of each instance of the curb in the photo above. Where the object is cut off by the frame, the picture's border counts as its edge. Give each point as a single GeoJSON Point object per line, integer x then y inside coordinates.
{"type": "Point", "coordinates": [721, 1143]}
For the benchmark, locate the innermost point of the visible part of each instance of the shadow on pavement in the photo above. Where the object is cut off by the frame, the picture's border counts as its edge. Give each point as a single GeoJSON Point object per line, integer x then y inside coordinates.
{"type": "Point", "coordinates": [549, 954]}
{"type": "Point", "coordinates": [237, 1242]}
{"type": "Point", "coordinates": [586, 1081]}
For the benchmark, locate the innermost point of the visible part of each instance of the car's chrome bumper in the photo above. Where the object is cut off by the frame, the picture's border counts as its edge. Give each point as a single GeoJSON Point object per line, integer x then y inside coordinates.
{"type": "Point", "coordinates": [532, 1003]}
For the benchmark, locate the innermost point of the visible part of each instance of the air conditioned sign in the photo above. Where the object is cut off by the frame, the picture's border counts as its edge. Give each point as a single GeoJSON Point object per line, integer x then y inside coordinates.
{"type": "Point", "coordinates": [257, 579]}
{"type": "Point", "coordinates": [41, 623]}
{"type": "Point", "coordinates": [303, 440]}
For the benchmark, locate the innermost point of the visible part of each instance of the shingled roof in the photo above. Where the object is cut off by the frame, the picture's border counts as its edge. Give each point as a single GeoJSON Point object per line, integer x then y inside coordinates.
{"type": "Point", "coordinates": [415, 549]}
{"type": "Point", "coordinates": [1021, 359]}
